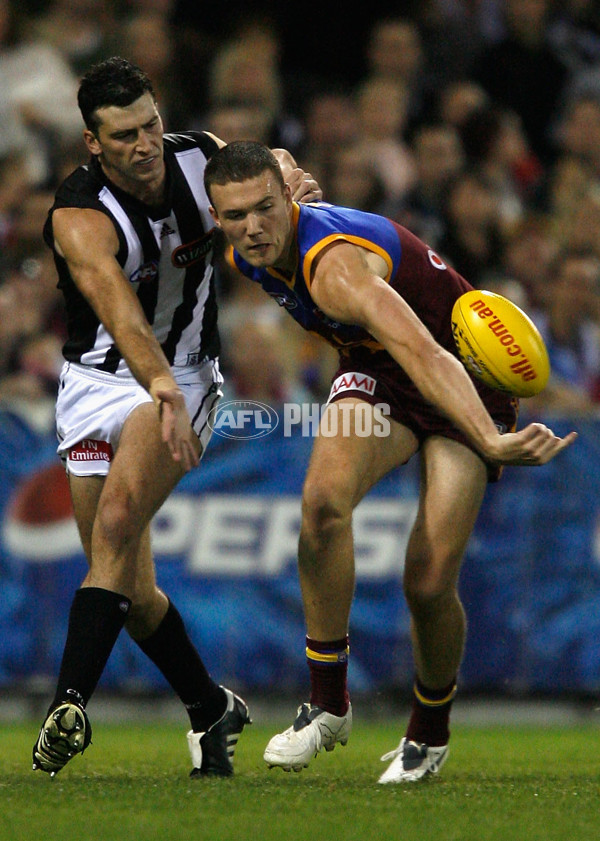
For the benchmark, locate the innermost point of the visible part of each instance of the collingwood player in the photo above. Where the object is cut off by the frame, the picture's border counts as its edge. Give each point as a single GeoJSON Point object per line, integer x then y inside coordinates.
{"type": "Point", "coordinates": [131, 236]}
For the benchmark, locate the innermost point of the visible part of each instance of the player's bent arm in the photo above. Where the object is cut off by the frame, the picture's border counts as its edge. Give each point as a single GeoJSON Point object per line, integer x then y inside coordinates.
{"type": "Point", "coordinates": [347, 290]}
{"type": "Point", "coordinates": [88, 242]}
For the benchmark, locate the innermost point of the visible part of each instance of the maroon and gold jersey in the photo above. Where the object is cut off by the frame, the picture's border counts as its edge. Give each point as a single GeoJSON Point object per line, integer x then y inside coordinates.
{"type": "Point", "coordinates": [420, 277]}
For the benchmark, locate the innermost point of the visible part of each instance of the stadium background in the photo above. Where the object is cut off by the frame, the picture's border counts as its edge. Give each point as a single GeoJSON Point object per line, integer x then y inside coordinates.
{"type": "Point", "coordinates": [225, 541]}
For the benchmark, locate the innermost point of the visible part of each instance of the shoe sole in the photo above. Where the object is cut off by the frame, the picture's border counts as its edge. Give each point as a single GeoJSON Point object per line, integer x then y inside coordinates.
{"type": "Point", "coordinates": [298, 766]}
{"type": "Point", "coordinates": [66, 727]}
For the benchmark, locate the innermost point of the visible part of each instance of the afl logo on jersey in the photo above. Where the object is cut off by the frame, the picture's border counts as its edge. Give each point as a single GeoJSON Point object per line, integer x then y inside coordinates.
{"type": "Point", "coordinates": [145, 273]}
{"type": "Point", "coordinates": [435, 261]}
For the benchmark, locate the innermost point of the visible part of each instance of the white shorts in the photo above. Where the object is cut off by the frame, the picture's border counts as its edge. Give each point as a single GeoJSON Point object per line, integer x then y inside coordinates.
{"type": "Point", "coordinates": [92, 407]}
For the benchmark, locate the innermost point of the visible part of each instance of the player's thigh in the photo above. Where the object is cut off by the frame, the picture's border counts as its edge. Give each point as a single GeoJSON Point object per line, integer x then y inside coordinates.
{"type": "Point", "coordinates": [143, 472]}
{"type": "Point", "coordinates": [85, 495]}
{"type": "Point", "coordinates": [453, 483]}
{"type": "Point", "coordinates": [352, 453]}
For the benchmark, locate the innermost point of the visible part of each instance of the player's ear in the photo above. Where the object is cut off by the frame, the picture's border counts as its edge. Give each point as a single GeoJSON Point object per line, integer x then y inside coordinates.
{"type": "Point", "coordinates": [92, 142]}
{"type": "Point", "coordinates": [214, 215]}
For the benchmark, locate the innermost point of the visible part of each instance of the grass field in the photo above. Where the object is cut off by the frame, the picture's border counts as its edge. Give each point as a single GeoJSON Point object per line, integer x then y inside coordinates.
{"type": "Point", "coordinates": [517, 784]}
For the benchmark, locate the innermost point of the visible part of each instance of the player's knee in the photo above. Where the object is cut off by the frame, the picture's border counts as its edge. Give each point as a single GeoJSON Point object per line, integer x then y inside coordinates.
{"type": "Point", "coordinates": [427, 590]}
{"type": "Point", "coordinates": [325, 504]}
{"type": "Point", "coordinates": [117, 521]}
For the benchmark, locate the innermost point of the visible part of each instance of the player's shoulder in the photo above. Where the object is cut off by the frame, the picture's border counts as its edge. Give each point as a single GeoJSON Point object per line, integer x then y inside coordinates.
{"type": "Point", "coordinates": [79, 189]}
{"type": "Point", "coordinates": [186, 141]}
{"type": "Point", "coordinates": [343, 219]}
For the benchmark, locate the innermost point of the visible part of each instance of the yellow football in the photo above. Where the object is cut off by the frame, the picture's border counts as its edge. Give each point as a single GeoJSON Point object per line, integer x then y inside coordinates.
{"type": "Point", "coordinates": [499, 344]}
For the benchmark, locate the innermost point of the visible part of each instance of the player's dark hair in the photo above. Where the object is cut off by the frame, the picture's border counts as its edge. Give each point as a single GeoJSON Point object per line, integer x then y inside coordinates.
{"type": "Point", "coordinates": [240, 161]}
{"type": "Point", "coordinates": [114, 81]}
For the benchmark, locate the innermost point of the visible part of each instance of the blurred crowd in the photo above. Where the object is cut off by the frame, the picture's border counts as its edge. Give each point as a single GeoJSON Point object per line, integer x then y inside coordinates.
{"type": "Point", "coordinates": [474, 123]}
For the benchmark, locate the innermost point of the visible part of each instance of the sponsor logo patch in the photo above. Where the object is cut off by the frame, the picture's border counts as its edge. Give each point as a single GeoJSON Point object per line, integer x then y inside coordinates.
{"type": "Point", "coordinates": [192, 252]}
{"type": "Point", "coordinates": [90, 450]}
{"type": "Point", "coordinates": [353, 381]}
{"type": "Point", "coordinates": [145, 273]}
{"type": "Point", "coordinates": [284, 301]}
{"type": "Point", "coordinates": [436, 261]}
{"type": "Point", "coordinates": [166, 230]}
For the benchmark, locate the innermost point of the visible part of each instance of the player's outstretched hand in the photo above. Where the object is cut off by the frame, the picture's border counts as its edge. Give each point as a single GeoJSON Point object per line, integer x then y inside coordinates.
{"type": "Point", "coordinates": [177, 432]}
{"type": "Point", "coordinates": [533, 445]}
{"type": "Point", "coordinates": [303, 186]}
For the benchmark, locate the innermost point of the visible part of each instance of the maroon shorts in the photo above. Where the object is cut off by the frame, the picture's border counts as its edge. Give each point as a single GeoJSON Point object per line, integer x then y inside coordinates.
{"type": "Point", "coordinates": [380, 379]}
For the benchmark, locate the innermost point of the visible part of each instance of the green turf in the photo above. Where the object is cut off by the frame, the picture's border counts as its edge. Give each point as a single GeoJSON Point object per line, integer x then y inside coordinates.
{"type": "Point", "coordinates": [526, 784]}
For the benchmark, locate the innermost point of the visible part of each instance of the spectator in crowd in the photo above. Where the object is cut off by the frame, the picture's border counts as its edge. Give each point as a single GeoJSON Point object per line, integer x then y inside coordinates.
{"type": "Point", "coordinates": [439, 157]}
{"type": "Point", "coordinates": [577, 132]}
{"type": "Point", "coordinates": [354, 181]}
{"type": "Point", "coordinates": [570, 327]}
{"type": "Point", "coordinates": [473, 236]}
{"type": "Point", "coordinates": [246, 73]}
{"type": "Point", "coordinates": [456, 101]}
{"type": "Point", "coordinates": [583, 232]}
{"type": "Point", "coordinates": [454, 35]}
{"type": "Point", "coordinates": [82, 31]}
{"type": "Point", "coordinates": [381, 115]}
{"type": "Point", "coordinates": [522, 73]}
{"type": "Point", "coordinates": [394, 51]}
{"type": "Point", "coordinates": [330, 124]}
{"type": "Point", "coordinates": [30, 345]}
{"type": "Point", "coordinates": [147, 40]}
{"type": "Point", "coordinates": [527, 256]}
{"type": "Point", "coordinates": [561, 192]}
{"type": "Point", "coordinates": [38, 89]}
{"type": "Point", "coordinates": [574, 34]}
{"type": "Point", "coordinates": [14, 187]}
{"type": "Point", "coordinates": [497, 148]}
{"type": "Point", "coordinates": [236, 120]}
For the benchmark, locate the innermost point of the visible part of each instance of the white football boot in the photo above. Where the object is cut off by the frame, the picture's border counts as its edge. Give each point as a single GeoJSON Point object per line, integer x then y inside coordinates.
{"type": "Point", "coordinates": [313, 730]}
{"type": "Point", "coordinates": [412, 761]}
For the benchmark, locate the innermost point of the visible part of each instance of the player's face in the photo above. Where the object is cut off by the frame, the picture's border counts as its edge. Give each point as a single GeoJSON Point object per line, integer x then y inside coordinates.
{"type": "Point", "coordinates": [256, 218]}
{"type": "Point", "coordinates": [129, 143]}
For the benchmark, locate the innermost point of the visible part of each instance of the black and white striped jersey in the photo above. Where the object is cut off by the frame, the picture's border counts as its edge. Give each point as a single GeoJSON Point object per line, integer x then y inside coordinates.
{"type": "Point", "coordinates": [166, 253]}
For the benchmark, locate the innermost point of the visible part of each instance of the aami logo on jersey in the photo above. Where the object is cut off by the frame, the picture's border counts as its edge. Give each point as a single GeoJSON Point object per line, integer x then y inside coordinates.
{"type": "Point", "coordinates": [353, 381]}
{"type": "Point", "coordinates": [192, 252]}
{"type": "Point", "coordinates": [145, 273]}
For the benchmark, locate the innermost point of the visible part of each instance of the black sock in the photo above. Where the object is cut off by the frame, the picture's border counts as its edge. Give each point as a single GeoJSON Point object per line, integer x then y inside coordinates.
{"type": "Point", "coordinates": [172, 651]}
{"type": "Point", "coordinates": [95, 621]}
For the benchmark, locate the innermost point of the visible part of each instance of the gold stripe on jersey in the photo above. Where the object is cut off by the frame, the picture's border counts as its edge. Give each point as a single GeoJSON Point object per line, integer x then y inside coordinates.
{"type": "Point", "coordinates": [354, 240]}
